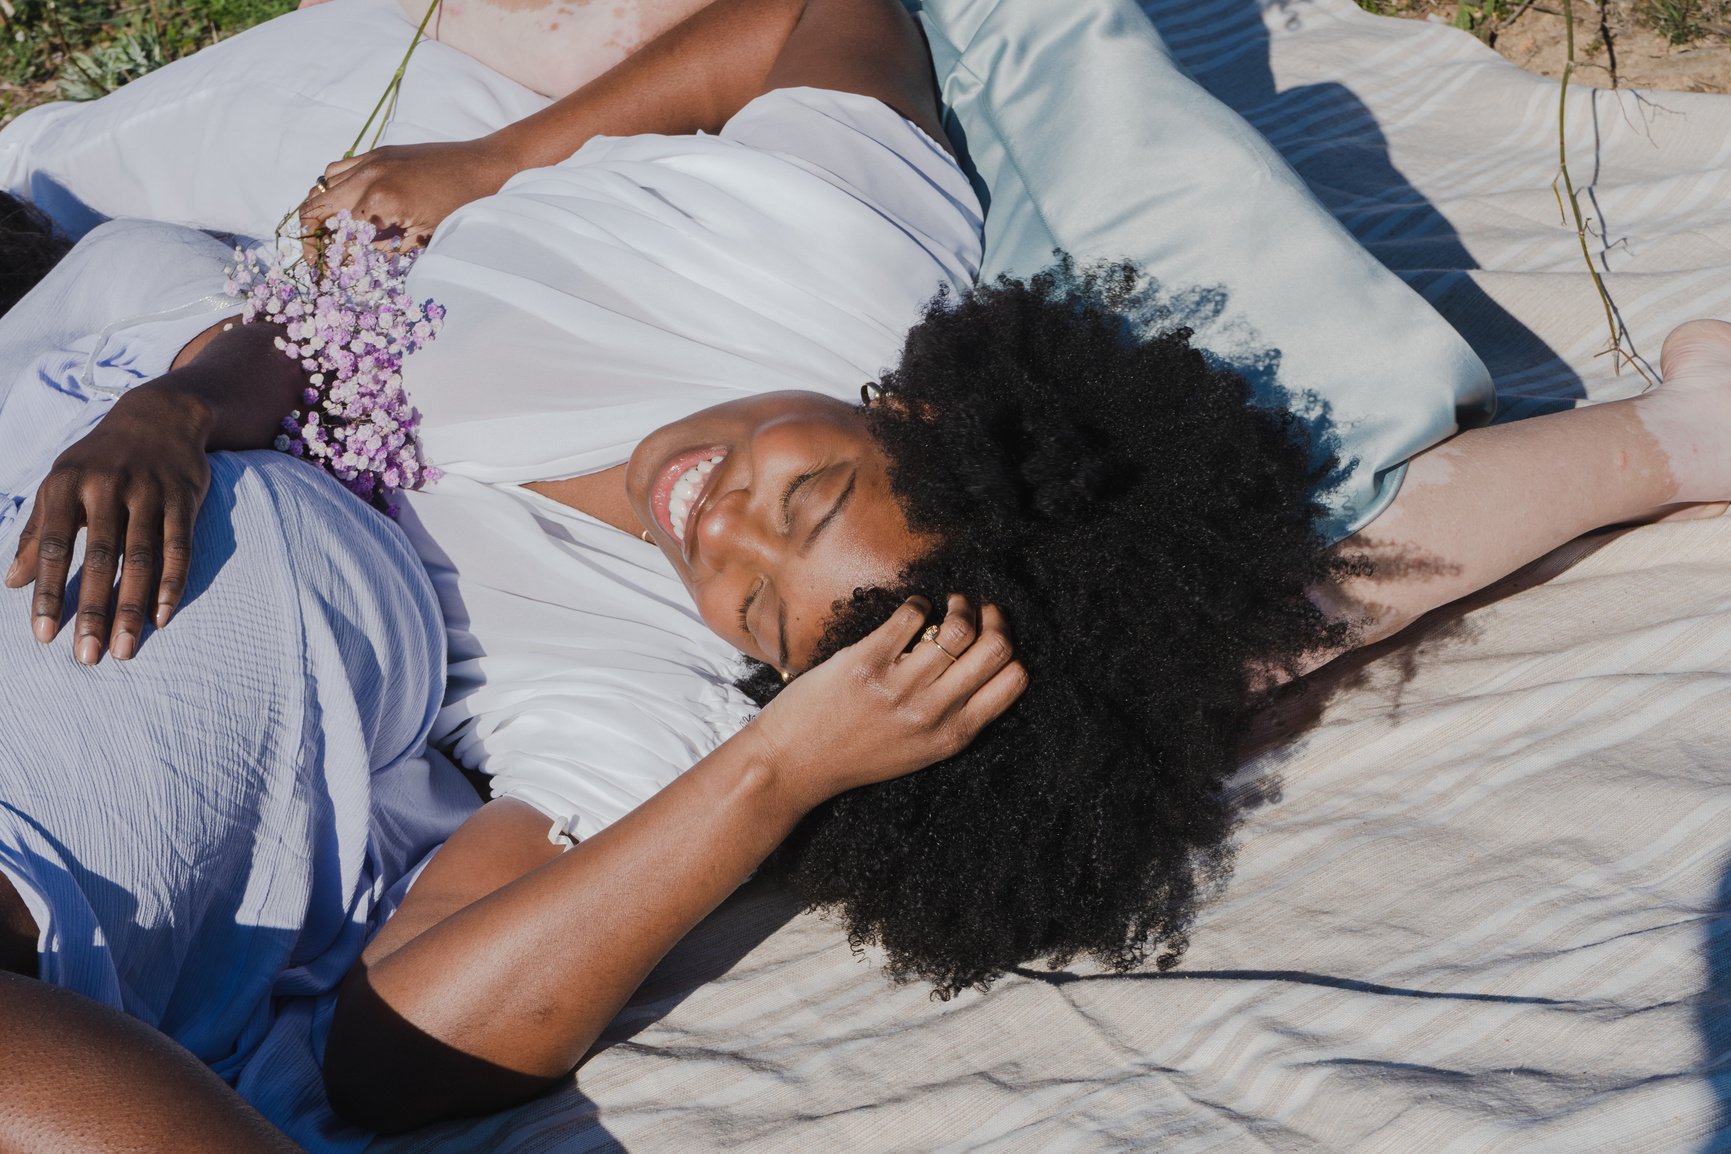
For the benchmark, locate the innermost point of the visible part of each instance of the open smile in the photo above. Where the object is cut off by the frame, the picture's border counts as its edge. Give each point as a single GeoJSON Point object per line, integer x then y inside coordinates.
{"type": "Point", "coordinates": [680, 486]}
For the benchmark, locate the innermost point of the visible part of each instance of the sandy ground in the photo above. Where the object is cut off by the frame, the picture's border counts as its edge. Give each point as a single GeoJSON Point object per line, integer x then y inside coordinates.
{"type": "Point", "coordinates": [1616, 46]}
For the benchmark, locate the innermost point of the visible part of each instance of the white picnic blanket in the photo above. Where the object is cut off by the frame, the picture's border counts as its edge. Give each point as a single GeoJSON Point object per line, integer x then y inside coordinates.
{"type": "Point", "coordinates": [1488, 908]}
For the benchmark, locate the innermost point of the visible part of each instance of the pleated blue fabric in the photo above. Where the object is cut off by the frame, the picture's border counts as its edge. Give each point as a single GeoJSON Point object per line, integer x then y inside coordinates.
{"type": "Point", "coordinates": [207, 833]}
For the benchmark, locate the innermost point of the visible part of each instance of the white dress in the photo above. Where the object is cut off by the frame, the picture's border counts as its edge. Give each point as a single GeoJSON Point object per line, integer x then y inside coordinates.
{"type": "Point", "coordinates": [591, 303]}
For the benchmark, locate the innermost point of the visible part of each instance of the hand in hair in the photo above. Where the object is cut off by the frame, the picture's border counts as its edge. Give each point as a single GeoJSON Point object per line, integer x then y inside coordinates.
{"type": "Point", "coordinates": [882, 712]}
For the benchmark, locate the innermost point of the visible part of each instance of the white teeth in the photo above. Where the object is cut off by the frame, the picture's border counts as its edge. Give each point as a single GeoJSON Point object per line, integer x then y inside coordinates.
{"type": "Point", "coordinates": [685, 491]}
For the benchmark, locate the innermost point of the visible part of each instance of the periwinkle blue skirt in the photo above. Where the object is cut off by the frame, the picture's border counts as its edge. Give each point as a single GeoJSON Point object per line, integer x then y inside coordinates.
{"type": "Point", "coordinates": [207, 834]}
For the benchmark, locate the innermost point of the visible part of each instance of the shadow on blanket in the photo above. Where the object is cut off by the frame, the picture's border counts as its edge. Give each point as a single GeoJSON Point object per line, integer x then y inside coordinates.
{"type": "Point", "coordinates": [1714, 1013]}
{"type": "Point", "coordinates": [1334, 141]}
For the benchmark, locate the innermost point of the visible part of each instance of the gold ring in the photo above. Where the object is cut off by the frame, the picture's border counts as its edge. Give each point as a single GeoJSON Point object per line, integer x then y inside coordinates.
{"type": "Point", "coordinates": [931, 634]}
{"type": "Point", "coordinates": [321, 184]}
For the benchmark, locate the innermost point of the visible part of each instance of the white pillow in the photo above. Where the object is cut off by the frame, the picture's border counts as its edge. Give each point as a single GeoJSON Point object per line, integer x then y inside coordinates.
{"type": "Point", "coordinates": [1084, 135]}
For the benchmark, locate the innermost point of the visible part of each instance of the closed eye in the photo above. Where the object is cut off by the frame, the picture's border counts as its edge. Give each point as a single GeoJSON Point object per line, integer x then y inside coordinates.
{"type": "Point", "coordinates": [787, 499]}
{"type": "Point", "coordinates": [745, 606]}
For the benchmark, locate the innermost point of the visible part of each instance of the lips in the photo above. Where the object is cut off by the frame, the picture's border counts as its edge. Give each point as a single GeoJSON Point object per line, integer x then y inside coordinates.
{"type": "Point", "coordinates": [679, 488]}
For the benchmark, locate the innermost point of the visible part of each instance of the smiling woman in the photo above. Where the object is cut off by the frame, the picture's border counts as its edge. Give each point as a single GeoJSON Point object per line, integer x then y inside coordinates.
{"type": "Point", "coordinates": [792, 514]}
{"type": "Point", "coordinates": [642, 404]}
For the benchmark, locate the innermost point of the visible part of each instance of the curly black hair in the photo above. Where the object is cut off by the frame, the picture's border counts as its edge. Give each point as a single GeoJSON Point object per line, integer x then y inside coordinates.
{"type": "Point", "coordinates": [1151, 536]}
{"type": "Point", "coordinates": [30, 245]}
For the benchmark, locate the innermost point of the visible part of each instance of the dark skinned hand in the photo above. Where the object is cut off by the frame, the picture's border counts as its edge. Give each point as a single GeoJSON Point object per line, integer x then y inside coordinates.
{"type": "Point", "coordinates": [134, 485]}
{"type": "Point", "coordinates": [405, 190]}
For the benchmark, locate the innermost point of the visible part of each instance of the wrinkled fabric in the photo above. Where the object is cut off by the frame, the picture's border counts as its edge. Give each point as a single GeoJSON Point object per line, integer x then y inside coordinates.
{"type": "Point", "coordinates": [207, 833]}
{"type": "Point", "coordinates": [591, 303]}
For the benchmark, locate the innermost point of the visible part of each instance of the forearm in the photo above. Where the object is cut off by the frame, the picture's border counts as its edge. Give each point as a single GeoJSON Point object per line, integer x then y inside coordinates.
{"type": "Point", "coordinates": [230, 387]}
{"type": "Point", "coordinates": [692, 78]}
{"type": "Point", "coordinates": [507, 994]}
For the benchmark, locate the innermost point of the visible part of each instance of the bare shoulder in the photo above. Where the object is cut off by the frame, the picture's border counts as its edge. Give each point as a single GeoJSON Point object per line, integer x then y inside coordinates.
{"type": "Point", "coordinates": [870, 47]}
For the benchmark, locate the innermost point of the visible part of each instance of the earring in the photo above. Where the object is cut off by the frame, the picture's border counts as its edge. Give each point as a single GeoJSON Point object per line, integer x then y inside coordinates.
{"type": "Point", "coordinates": [785, 676]}
{"type": "Point", "coordinates": [870, 393]}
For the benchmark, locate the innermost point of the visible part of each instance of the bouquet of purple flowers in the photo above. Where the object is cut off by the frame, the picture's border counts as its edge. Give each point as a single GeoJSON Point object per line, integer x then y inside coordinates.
{"type": "Point", "coordinates": [349, 321]}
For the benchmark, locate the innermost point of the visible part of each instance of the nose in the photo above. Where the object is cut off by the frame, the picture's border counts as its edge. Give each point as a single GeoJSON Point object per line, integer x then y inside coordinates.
{"type": "Point", "coordinates": [733, 531]}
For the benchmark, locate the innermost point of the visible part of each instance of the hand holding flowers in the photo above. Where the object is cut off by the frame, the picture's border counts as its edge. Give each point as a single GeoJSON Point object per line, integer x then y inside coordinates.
{"type": "Point", "coordinates": [348, 321]}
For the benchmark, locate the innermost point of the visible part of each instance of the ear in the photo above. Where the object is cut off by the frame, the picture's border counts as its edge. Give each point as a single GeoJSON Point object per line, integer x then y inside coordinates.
{"type": "Point", "coordinates": [874, 398]}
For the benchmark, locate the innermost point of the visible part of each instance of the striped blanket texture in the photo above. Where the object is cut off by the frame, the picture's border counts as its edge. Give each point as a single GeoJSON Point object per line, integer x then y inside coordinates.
{"type": "Point", "coordinates": [1487, 909]}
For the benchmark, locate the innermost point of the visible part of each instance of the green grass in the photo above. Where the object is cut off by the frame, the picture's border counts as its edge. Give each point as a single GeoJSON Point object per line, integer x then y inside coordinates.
{"type": "Point", "coordinates": [1481, 17]}
{"type": "Point", "coordinates": [81, 49]}
{"type": "Point", "coordinates": [1679, 21]}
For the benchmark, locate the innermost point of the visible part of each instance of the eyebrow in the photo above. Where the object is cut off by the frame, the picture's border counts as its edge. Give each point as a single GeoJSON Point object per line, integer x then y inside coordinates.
{"type": "Point", "coordinates": [805, 547]}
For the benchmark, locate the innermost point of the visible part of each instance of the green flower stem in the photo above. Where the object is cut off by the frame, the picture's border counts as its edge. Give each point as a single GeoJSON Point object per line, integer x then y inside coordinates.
{"type": "Point", "coordinates": [390, 92]}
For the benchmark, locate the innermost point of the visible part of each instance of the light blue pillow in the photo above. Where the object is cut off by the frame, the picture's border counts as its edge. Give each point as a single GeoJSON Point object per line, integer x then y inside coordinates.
{"type": "Point", "coordinates": [1083, 134]}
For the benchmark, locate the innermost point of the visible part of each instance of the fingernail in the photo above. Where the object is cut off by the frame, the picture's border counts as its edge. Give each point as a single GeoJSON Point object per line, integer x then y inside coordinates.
{"type": "Point", "coordinates": [124, 646]}
{"type": "Point", "coordinates": [44, 629]}
{"type": "Point", "coordinates": [89, 650]}
{"type": "Point", "coordinates": [162, 612]}
{"type": "Point", "coordinates": [12, 571]}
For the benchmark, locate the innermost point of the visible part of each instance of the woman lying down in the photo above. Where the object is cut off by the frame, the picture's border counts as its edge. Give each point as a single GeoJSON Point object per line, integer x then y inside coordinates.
{"type": "Point", "coordinates": [1007, 618]}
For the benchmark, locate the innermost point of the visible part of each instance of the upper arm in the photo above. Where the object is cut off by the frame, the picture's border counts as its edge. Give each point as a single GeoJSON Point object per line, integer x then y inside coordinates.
{"type": "Point", "coordinates": [500, 842]}
{"type": "Point", "coordinates": [870, 47]}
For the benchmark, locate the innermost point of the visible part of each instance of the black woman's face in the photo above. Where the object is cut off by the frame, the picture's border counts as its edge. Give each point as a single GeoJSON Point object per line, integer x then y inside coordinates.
{"type": "Point", "coordinates": [772, 508]}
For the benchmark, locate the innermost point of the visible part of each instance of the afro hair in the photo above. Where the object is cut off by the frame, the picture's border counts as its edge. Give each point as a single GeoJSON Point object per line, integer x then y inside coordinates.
{"type": "Point", "coordinates": [1152, 536]}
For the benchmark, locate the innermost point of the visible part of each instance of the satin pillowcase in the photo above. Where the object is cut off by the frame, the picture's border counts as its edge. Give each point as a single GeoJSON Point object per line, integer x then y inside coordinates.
{"type": "Point", "coordinates": [1084, 135]}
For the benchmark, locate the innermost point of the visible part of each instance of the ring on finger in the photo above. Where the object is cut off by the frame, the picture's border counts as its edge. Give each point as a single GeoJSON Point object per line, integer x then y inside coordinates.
{"type": "Point", "coordinates": [931, 634]}
{"type": "Point", "coordinates": [321, 184]}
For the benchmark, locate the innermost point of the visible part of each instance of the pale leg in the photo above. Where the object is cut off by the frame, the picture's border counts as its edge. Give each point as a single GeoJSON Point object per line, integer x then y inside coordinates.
{"type": "Point", "coordinates": [1482, 504]}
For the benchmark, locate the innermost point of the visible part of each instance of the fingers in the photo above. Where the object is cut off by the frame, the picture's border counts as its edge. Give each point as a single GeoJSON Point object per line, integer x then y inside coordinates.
{"type": "Point", "coordinates": [888, 641]}
{"type": "Point", "coordinates": [54, 525]}
{"type": "Point", "coordinates": [146, 548]}
{"type": "Point", "coordinates": [104, 538]}
{"type": "Point", "coordinates": [942, 645]}
{"type": "Point", "coordinates": [985, 679]}
{"type": "Point", "coordinates": [990, 700]}
{"type": "Point", "coordinates": [133, 599]}
{"type": "Point", "coordinates": [324, 201]}
{"type": "Point", "coordinates": [176, 559]}
{"type": "Point", "coordinates": [23, 568]}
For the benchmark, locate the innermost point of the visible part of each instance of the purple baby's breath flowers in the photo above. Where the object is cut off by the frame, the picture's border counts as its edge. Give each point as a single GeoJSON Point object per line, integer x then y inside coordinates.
{"type": "Point", "coordinates": [348, 319]}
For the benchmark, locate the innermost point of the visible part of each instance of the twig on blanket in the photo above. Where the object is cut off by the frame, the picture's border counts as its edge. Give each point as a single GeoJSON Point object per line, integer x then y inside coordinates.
{"type": "Point", "coordinates": [1619, 335]}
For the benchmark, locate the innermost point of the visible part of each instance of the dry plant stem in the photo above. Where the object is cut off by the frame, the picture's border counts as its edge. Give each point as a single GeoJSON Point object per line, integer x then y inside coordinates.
{"type": "Point", "coordinates": [390, 92]}
{"type": "Point", "coordinates": [1574, 206]}
{"type": "Point", "coordinates": [1605, 38]}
